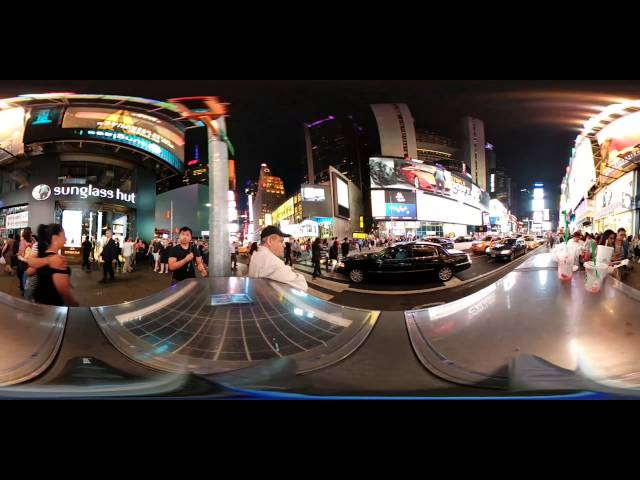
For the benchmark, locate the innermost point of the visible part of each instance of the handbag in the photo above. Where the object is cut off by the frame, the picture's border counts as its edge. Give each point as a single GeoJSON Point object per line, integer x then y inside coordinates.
{"type": "Point", "coordinates": [2, 261]}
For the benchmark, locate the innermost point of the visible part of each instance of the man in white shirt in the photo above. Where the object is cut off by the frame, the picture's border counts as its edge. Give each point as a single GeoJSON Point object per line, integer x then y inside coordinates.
{"type": "Point", "coordinates": [267, 261]}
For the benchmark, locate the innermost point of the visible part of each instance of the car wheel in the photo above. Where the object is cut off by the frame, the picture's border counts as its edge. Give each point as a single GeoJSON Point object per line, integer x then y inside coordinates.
{"type": "Point", "coordinates": [416, 183]}
{"type": "Point", "coordinates": [512, 256]}
{"type": "Point", "coordinates": [356, 275]}
{"type": "Point", "coordinates": [445, 274]}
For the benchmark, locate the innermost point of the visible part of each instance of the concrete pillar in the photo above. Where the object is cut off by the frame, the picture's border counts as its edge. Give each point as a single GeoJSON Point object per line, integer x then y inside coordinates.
{"type": "Point", "coordinates": [219, 254]}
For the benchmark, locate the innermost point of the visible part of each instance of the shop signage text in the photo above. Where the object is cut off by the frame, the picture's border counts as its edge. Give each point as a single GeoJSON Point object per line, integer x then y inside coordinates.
{"type": "Point", "coordinates": [42, 192]}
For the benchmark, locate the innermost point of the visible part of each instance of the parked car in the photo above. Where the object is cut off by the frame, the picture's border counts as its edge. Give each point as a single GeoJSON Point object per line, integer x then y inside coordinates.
{"type": "Point", "coordinates": [445, 242]}
{"type": "Point", "coordinates": [509, 249]}
{"type": "Point", "coordinates": [464, 239]}
{"type": "Point", "coordinates": [410, 257]}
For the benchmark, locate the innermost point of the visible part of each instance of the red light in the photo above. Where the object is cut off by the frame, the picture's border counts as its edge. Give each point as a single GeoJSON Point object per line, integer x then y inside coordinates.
{"type": "Point", "coordinates": [192, 162]}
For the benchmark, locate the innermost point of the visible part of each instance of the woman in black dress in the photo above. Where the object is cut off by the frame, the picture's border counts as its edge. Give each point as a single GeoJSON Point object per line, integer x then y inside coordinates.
{"type": "Point", "coordinates": [54, 284]}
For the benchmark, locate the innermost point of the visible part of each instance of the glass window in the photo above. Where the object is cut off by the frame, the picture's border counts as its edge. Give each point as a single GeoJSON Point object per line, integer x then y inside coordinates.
{"type": "Point", "coordinates": [424, 251]}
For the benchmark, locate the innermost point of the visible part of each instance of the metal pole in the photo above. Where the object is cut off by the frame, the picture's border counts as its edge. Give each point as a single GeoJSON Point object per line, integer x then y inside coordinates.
{"type": "Point", "coordinates": [171, 227]}
{"type": "Point", "coordinates": [219, 256]}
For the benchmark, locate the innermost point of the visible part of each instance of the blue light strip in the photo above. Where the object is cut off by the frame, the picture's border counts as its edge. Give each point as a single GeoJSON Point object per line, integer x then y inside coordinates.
{"type": "Point", "coordinates": [135, 141]}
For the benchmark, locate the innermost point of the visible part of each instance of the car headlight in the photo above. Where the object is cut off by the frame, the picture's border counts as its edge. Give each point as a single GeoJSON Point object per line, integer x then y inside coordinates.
{"type": "Point", "coordinates": [341, 265]}
{"type": "Point", "coordinates": [505, 252]}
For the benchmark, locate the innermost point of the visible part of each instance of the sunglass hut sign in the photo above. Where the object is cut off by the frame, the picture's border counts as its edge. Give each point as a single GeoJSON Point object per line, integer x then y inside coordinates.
{"type": "Point", "coordinates": [43, 192]}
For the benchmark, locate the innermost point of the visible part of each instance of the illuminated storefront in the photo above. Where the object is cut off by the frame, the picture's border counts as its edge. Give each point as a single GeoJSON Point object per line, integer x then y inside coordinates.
{"type": "Point", "coordinates": [88, 162]}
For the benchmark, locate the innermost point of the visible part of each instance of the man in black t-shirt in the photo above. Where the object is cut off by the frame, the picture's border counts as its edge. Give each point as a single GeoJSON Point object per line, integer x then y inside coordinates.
{"type": "Point", "coordinates": [185, 258]}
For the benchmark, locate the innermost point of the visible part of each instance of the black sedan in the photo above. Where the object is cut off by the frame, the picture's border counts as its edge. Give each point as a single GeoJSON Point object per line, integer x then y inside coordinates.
{"type": "Point", "coordinates": [411, 257]}
{"type": "Point", "coordinates": [509, 248]}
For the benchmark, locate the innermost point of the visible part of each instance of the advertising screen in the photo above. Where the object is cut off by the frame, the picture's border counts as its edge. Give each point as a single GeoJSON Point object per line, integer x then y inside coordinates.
{"type": "Point", "coordinates": [434, 208]}
{"type": "Point", "coordinates": [11, 131]}
{"type": "Point", "coordinates": [582, 175]}
{"type": "Point", "coordinates": [404, 174]}
{"type": "Point", "coordinates": [72, 226]}
{"type": "Point", "coordinates": [393, 204]}
{"type": "Point", "coordinates": [315, 194]}
{"type": "Point", "coordinates": [615, 198]}
{"type": "Point", "coordinates": [129, 128]}
{"type": "Point", "coordinates": [620, 143]}
{"type": "Point", "coordinates": [340, 195]}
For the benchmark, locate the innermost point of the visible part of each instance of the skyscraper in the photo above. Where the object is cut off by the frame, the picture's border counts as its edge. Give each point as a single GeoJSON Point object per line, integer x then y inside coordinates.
{"type": "Point", "coordinates": [396, 130]}
{"type": "Point", "coordinates": [336, 142]}
{"type": "Point", "coordinates": [269, 196]}
{"type": "Point", "coordinates": [473, 149]}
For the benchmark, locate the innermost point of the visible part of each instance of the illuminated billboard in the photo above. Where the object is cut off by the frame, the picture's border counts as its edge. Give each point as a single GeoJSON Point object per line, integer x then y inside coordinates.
{"type": "Point", "coordinates": [11, 131]}
{"type": "Point", "coordinates": [582, 175]}
{"type": "Point", "coordinates": [620, 143]}
{"type": "Point", "coordinates": [615, 198]}
{"type": "Point", "coordinates": [128, 127]}
{"type": "Point", "coordinates": [434, 208]}
{"type": "Point", "coordinates": [393, 204]}
{"type": "Point", "coordinates": [340, 195]}
{"type": "Point", "coordinates": [396, 173]}
{"type": "Point", "coordinates": [314, 194]}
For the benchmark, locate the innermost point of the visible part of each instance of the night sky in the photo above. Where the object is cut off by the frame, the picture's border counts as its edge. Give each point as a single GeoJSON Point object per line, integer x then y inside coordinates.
{"type": "Point", "coordinates": [532, 124]}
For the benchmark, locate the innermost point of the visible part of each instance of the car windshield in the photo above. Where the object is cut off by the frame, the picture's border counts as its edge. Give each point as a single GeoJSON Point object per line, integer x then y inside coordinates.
{"type": "Point", "coordinates": [348, 258]}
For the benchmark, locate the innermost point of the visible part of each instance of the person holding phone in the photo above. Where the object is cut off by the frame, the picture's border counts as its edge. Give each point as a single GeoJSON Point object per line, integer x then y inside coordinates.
{"type": "Point", "coordinates": [185, 259]}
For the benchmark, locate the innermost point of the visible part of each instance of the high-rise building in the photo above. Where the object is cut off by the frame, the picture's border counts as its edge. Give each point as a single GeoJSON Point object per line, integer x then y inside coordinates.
{"type": "Point", "coordinates": [336, 142]}
{"type": "Point", "coordinates": [269, 196]}
{"type": "Point", "coordinates": [499, 182]}
{"type": "Point", "coordinates": [473, 149]}
{"type": "Point", "coordinates": [396, 130]}
{"type": "Point", "coordinates": [435, 148]}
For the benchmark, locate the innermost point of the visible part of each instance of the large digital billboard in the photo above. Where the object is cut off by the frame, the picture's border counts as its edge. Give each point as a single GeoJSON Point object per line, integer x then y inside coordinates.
{"type": "Point", "coordinates": [620, 143]}
{"type": "Point", "coordinates": [395, 173]}
{"type": "Point", "coordinates": [393, 204]}
{"type": "Point", "coordinates": [582, 175]}
{"type": "Point", "coordinates": [434, 208]}
{"type": "Point", "coordinates": [340, 195]}
{"type": "Point", "coordinates": [127, 127]}
{"type": "Point", "coordinates": [11, 131]}
{"type": "Point", "coordinates": [615, 198]}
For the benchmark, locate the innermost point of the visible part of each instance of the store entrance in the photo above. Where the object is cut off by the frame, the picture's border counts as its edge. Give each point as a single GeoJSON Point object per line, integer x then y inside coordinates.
{"type": "Point", "coordinates": [79, 219]}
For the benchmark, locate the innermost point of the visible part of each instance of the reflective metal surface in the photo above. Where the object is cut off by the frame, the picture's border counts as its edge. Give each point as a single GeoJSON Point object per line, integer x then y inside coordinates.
{"type": "Point", "coordinates": [30, 336]}
{"type": "Point", "coordinates": [530, 311]}
{"type": "Point", "coordinates": [180, 330]}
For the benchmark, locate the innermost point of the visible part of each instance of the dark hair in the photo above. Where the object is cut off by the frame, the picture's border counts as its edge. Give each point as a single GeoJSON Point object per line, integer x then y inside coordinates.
{"type": "Point", "coordinates": [253, 248]}
{"type": "Point", "coordinates": [45, 232]}
{"type": "Point", "coordinates": [11, 236]}
{"type": "Point", "coordinates": [186, 229]}
{"type": "Point", "coordinates": [26, 234]}
{"type": "Point", "coordinates": [621, 229]}
{"type": "Point", "coordinates": [605, 236]}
